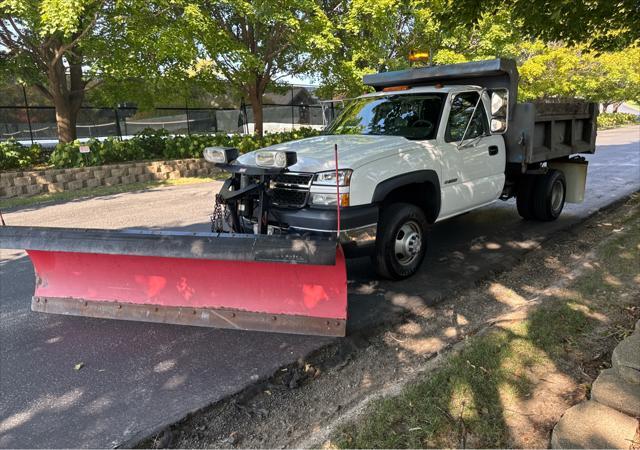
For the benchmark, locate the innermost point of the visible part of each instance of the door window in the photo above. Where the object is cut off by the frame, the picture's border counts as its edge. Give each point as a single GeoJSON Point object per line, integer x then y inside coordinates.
{"type": "Point", "coordinates": [461, 111]}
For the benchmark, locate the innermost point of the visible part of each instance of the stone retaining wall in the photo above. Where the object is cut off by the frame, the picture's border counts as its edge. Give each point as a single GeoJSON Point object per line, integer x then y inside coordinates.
{"type": "Point", "coordinates": [611, 418]}
{"type": "Point", "coordinates": [28, 183]}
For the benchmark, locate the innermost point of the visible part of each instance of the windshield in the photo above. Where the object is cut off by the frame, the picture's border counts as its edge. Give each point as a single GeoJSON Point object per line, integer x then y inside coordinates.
{"type": "Point", "coordinates": [414, 116]}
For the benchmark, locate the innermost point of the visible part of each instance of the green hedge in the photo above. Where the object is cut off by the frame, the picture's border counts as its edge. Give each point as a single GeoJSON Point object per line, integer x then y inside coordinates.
{"type": "Point", "coordinates": [611, 120]}
{"type": "Point", "coordinates": [157, 144]}
{"type": "Point", "coordinates": [147, 145]}
{"type": "Point", "coordinates": [14, 155]}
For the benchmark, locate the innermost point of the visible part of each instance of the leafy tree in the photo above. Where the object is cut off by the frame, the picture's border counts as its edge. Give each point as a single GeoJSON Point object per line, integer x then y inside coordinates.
{"type": "Point", "coordinates": [557, 70]}
{"type": "Point", "coordinates": [613, 77]}
{"type": "Point", "coordinates": [371, 34]}
{"type": "Point", "coordinates": [378, 36]}
{"type": "Point", "coordinates": [144, 55]}
{"type": "Point", "coordinates": [45, 45]}
{"type": "Point", "coordinates": [249, 46]}
{"type": "Point", "coordinates": [66, 48]}
{"type": "Point", "coordinates": [604, 24]}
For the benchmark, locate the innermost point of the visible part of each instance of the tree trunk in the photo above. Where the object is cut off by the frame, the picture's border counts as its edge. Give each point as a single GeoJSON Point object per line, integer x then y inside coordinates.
{"type": "Point", "coordinates": [255, 98]}
{"type": "Point", "coordinates": [66, 118]}
{"type": "Point", "coordinates": [67, 92]}
{"type": "Point", "coordinates": [616, 106]}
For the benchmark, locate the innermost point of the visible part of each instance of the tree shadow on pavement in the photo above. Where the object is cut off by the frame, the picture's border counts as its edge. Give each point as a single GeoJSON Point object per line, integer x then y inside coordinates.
{"type": "Point", "coordinates": [507, 387]}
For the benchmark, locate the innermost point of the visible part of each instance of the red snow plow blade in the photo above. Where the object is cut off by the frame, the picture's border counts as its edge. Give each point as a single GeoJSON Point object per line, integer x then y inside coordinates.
{"type": "Point", "coordinates": [237, 281]}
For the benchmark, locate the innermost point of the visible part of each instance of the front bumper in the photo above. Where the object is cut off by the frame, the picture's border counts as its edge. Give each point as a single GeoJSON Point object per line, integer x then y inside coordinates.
{"type": "Point", "coordinates": [325, 219]}
{"type": "Point", "coordinates": [358, 225]}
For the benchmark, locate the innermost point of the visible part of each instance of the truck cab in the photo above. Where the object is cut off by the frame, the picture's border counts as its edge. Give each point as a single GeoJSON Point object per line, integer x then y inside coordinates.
{"type": "Point", "coordinates": [447, 130]}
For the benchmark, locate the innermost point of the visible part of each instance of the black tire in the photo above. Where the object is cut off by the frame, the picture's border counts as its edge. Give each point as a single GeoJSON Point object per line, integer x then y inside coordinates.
{"type": "Point", "coordinates": [405, 226]}
{"type": "Point", "coordinates": [524, 197]}
{"type": "Point", "coordinates": [549, 195]}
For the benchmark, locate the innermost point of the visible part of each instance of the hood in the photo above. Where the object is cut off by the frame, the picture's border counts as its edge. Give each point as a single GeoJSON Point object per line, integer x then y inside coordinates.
{"type": "Point", "coordinates": [316, 154]}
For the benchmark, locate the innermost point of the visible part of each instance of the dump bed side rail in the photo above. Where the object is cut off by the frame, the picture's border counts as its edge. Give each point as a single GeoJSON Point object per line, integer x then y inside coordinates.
{"type": "Point", "coordinates": [543, 131]}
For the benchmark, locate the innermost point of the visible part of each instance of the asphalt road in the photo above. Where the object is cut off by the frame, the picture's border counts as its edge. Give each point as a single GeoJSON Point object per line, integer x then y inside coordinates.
{"type": "Point", "coordinates": [138, 377]}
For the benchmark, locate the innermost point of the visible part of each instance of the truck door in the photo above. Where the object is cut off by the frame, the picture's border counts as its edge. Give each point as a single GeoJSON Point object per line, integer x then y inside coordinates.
{"type": "Point", "coordinates": [474, 160]}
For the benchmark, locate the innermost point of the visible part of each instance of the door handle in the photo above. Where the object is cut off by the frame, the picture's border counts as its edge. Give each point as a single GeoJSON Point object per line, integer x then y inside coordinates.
{"type": "Point", "coordinates": [493, 150]}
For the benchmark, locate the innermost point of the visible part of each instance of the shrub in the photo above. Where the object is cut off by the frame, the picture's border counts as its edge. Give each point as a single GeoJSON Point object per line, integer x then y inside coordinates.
{"type": "Point", "coordinates": [14, 155]}
{"type": "Point", "coordinates": [149, 143]}
{"type": "Point", "coordinates": [158, 144]}
{"type": "Point", "coordinates": [610, 120]}
{"type": "Point", "coordinates": [67, 155]}
{"type": "Point", "coordinates": [108, 151]}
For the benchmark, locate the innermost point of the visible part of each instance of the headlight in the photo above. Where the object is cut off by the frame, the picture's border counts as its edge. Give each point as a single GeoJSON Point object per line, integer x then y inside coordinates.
{"type": "Point", "coordinates": [274, 158]}
{"type": "Point", "coordinates": [329, 178]}
{"type": "Point", "coordinates": [220, 155]}
{"type": "Point", "coordinates": [322, 199]}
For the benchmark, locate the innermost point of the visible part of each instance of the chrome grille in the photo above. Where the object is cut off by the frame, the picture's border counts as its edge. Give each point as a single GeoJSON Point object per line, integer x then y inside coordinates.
{"type": "Point", "coordinates": [289, 197]}
{"type": "Point", "coordinates": [291, 189]}
{"type": "Point", "coordinates": [298, 179]}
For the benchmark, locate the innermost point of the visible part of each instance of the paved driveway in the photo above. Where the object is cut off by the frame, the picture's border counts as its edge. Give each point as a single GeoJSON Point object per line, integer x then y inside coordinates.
{"type": "Point", "coordinates": [138, 377]}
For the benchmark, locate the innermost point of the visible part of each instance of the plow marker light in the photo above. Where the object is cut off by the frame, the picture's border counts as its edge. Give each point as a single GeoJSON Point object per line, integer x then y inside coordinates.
{"type": "Point", "coordinates": [246, 282]}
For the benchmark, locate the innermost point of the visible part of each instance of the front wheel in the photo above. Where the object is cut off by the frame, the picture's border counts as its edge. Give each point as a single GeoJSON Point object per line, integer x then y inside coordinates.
{"type": "Point", "coordinates": [401, 243]}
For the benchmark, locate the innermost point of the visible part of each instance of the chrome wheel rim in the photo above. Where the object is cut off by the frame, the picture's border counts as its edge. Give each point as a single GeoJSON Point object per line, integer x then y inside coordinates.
{"type": "Point", "coordinates": [557, 194]}
{"type": "Point", "coordinates": [408, 243]}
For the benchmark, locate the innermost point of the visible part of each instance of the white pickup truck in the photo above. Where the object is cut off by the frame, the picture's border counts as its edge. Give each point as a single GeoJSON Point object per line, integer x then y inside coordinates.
{"type": "Point", "coordinates": [429, 144]}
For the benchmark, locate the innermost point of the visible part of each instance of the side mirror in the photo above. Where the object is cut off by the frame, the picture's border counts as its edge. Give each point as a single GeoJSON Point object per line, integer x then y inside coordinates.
{"type": "Point", "coordinates": [499, 111]}
{"type": "Point", "coordinates": [498, 126]}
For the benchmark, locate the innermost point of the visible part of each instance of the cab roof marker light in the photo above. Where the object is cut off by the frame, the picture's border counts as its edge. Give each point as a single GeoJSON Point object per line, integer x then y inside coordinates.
{"type": "Point", "coordinates": [415, 55]}
{"type": "Point", "coordinates": [395, 88]}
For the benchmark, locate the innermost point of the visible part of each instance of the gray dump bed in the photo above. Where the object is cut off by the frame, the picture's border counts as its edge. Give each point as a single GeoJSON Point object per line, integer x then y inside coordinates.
{"type": "Point", "coordinates": [538, 131]}
{"type": "Point", "coordinates": [541, 131]}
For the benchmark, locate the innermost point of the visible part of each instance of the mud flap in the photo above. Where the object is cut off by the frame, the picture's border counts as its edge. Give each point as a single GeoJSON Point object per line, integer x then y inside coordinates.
{"type": "Point", "coordinates": [245, 282]}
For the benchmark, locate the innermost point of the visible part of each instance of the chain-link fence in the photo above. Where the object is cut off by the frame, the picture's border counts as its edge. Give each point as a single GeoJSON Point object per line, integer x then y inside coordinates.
{"type": "Point", "coordinates": [38, 123]}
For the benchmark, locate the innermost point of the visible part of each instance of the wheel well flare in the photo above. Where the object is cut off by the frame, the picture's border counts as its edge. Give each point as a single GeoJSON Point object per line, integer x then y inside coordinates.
{"type": "Point", "coordinates": [419, 188]}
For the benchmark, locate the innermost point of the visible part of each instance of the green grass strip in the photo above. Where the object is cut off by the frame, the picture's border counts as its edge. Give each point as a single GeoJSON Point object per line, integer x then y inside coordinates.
{"type": "Point", "coordinates": [467, 396]}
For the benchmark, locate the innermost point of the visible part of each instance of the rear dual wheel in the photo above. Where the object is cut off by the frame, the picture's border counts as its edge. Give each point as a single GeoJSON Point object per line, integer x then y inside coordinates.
{"type": "Point", "coordinates": [401, 242]}
{"type": "Point", "coordinates": [542, 197]}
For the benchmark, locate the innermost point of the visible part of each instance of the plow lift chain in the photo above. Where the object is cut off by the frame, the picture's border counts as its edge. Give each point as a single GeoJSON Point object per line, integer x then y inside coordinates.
{"type": "Point", "coordinates": [220, 216]}
{"type": "Point", "coordinates": [245, 195]}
